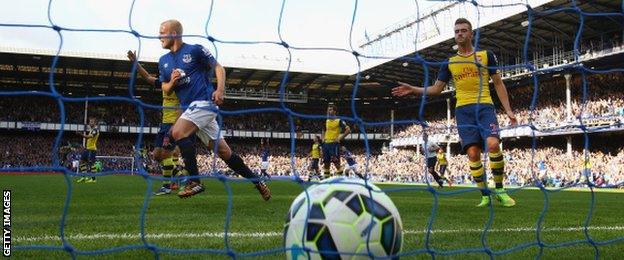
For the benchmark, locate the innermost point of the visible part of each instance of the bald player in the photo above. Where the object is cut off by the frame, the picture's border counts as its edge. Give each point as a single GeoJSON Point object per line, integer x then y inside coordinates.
{"type": "Point", "coordinates": [187, 70]}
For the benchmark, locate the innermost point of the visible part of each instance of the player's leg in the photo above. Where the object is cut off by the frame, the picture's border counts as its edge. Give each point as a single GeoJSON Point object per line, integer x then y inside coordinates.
{"type": "Point", "coordinates": [326, 161]}
{"type": "Point", "coordinates": [174, 173]}
{"type": "Point", "coordinates": [209, 134]}
{"type": "Point", "coordinates": [490, 134]}
{"type": "Point", "coordinates": [478, 173]}
{"type": "Point", "coordinates": [264, 166]}
{"type": "Point", "coordinates": [338, 166]}
{"type": "Point", "coordinates": [468, 128]}
{"type": "Point", "coordinates": [354, 168]}
{"type": "Point", "coordinates": [91, 165]}
{"type": "Point", "coordinates": [178, 170]}
{"type": "Point", "coordinates": [183, 133]}
{"type": "Point", "coordinates": [431, 162]}
{"type": "Point", "coordinates": [347, 170]}
{"type": "Point", "coordinates": [163, 157]}
{"type": "Point", "coordinates": [82, 168]}
{"type": "Point", "coordinates": [497, 165]}
{"type": "Point", "coordinates": [166, 165]}
{"type": "Point", "coordinates": [83, 165]}
{"type": "Point", "coordinates": [235, 162]}
{"type": "Point", "coordinates": [315, 168]}
{"type": "Point", "coordinates": [442, 171]}
{"type": "Point", "coordinates": [336, 159]}
{"type": "Point", "coordinates": [75, 165]}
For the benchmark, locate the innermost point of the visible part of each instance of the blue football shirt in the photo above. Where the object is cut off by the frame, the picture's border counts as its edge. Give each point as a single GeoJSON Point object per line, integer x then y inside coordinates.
{"type": "Point", "coordinates": [197, 64]}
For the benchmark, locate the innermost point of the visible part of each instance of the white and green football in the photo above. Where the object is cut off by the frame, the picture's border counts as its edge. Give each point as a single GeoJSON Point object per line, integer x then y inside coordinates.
{"type": "Point", "coordinates": [338, 219]}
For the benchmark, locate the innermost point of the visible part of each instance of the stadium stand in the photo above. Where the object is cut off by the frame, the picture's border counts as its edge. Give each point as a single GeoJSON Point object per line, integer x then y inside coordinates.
{"type": "Point", "coordinates": [585, 122]}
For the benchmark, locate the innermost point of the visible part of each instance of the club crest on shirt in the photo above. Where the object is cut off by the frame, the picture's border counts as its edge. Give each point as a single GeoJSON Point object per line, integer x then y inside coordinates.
{"type": "Point", "coordinates": [187, 58]}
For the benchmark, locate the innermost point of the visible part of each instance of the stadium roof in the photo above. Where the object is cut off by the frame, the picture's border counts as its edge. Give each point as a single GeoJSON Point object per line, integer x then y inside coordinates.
{"type": "Point", "coordinates": [507, 36]}
{"type": "Point", "coordinates": [85, 74]}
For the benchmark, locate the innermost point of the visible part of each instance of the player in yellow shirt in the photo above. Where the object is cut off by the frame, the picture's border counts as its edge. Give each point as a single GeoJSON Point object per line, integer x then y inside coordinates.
{"type": "Point", "coordinates": [586, 175]}
{"type": "Point", "coordinates": [163, 145]}
{"type": "Point", "coordinates": [335, 131]}
{"type": "Point", "coordinates": [315, 157]}
{"type": "Point", "coordinates": [475, 114]}
{"type": "Point", "coordinates": [442, 164]}
{"type": "Point", "coordinates": [87, 159]}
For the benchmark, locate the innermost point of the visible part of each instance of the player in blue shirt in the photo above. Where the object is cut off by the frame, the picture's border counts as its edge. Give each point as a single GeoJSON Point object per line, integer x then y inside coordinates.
{"type": "Point", "coordinates": [351, 163]}
{"type": "Point", "coordinates": [187, 70]}
{"type": "Point", "coordinates": [264, 156]}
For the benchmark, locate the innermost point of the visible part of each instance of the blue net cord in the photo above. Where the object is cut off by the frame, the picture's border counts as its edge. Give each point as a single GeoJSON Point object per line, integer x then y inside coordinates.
{"type": "Point", "coordinates": [355, 119]}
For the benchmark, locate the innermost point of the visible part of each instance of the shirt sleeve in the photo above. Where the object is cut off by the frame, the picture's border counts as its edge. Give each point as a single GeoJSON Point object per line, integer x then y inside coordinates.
{"type": "Point", "coordinates": [492, 63]}
{"type": "Point", "coordinates": [444, 75]}
{"type": "Point", "coordinates": [163, 77]}
{"type": "Point", "coordinates": [204, 56]}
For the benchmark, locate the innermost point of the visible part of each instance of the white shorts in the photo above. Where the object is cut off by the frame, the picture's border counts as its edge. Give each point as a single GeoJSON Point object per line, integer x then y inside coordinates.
{"type": "Point", "coordinates": [75, 164]}
{"type": "Point", "coordinates": [204, 119]}
{"type": "Point", "coordinates": [351, 167]}
{"type": "Point", "coordinates": [264, 165]}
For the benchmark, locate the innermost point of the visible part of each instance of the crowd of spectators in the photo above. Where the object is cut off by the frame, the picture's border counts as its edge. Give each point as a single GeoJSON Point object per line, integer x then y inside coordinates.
{"type": "Point", "coordinates": [30, 150]}
{"type": "Point", "coordinates": [45, 109]}
{"type": "Point", "coordinates": [605, 98]}
{"type": "Point", "coordinates": [547, 165]}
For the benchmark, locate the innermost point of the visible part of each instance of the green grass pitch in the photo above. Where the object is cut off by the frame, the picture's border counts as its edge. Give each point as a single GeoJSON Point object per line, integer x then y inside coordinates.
{"type": "Point", "coordinates": [107, 215]}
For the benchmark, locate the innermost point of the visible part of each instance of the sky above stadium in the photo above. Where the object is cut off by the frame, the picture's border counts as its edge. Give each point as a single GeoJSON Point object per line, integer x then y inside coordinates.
{"type": "Point", "coordinates": [319, 24]}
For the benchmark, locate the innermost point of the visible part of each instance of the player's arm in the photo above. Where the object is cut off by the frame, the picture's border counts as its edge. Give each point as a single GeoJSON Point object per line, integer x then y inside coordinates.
{"type": "Point", "coordinates": [87, 135]}
{"type": "Point", "coordinates": [168, 86]}
{"type": "Point", "coordinates": [92, 133]}
{"type": "Point", "coordinates": [345, 132]}
{"type": "Point", "coordinates": [205, 57]}
{"type": "Point", "coordinates": [499, 86]}
{"type": "Point", "coordinates": [501, 92]}
{"type": "Point", "coordinates": [219, 93]}
{"type": "Point", "coordinates": [404, 89]}
{"type": "Point", "coordinates": [142, 72]}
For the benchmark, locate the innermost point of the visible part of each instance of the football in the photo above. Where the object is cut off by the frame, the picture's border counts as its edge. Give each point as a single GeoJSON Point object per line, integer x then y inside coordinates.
{"type": "Point", "coordinates": [339, 219]}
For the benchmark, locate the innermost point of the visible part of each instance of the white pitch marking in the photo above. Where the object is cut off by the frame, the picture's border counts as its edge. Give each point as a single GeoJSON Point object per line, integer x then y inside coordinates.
{"type": "Point", "coordinates": [116, 236]}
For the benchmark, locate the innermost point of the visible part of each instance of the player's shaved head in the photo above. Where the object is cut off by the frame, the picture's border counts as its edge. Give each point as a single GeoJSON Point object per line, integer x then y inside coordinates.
{"type": "Point", "coordinates": [173, 26]}
{"type": "Point", "coordinates": [170, 34]}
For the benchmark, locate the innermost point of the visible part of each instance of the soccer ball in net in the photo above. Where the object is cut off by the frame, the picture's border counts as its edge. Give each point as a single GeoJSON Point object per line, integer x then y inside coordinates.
{"type": "Point", "coordinates": [342, 219]}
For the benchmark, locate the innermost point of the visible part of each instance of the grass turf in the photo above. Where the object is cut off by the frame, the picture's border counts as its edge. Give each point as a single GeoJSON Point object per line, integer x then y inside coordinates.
{"type": "Point", "coordinates": [106, 216]}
